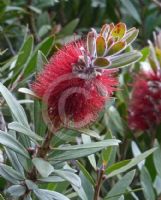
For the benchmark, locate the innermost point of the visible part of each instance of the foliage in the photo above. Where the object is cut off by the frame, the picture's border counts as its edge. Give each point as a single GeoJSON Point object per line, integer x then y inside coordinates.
{"type": "Point", "coordinates": [30, 32]}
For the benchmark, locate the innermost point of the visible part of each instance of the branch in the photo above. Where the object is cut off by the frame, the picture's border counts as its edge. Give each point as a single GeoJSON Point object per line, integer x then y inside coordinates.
{"type": "Point", "coordinates": [100, 176]}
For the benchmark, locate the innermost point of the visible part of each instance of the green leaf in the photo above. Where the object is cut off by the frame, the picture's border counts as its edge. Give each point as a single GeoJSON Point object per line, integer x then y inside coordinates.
{"type": "Point", "coordinates": [145, 52]}
{"type": "Point", "coordinates": [45, 47]}
{"type": "Point", "coordinates": [15, 107]}
{"type": "Point", "coordinates": [68, 153]}
{"type": "Point", "coordinates": [86, 173]}
{"type": "Point", "coordinates": [1, 197]}
{"type": "Point", "coordinates": [119, 30]}
{"type": "Point", "coordinates": [125, 59]}
{"type": "Point", "coordinates": [121, 186]}
{"type": "Point", "coordinates": [43, 167]}
{"type": "Point", "coordinates": [86, 140]}
{"type": "Point", "coordinates": [136, 152]}
{"type": "Point", "coordinates": [131, 10]}
{"type": "Point", "coordinates": [13, 158]}
{"type": "Point", "coordinates": [10, 174]}
{"type": "Point", "coordinates": [22, 129]}
{"type": "Point", "coordinates": [146, 183]}
{"type": "Point", "coordinates": [69, 28]}
{"type": "Point", "coordinates": [103, 143]}
{"type": "Point", "coordinates": [41, 61]}
{"type": "Point", "coordinates": [107, 152]}
{"type": "Point", "coordinates": [125, 165]}
{"type": "Point", "coordinates": [157, 159]}
{"type": "Point", "coordinates": [131, 35]}
{"type": "Point", "coordinates": [24, 54]}
{"type": "Point", "coordinates": [11, 142]}
{"type": "Point", "coordinates": [100, 46]}
{"type": "Point", "coordinates": [27, 91]}
{"type": "Point", "coordinates": [101, 62]}
{"type": "Point", "coordinates": [116, 119]}
{"type": "Point", "coordinates": [89, 132]}
{"type": "Point", "coordinates": [48, 195]}
{"type": "Point", "coordinates": [44, 29]}
{"type": "Point", "coordinates": [51, 179]}
{"type": "Point", "coordinates": [69, 176]}
{"type": "Point", "coordinates": [16, 190]}
{"type": "Point", "coordinates": [116, 48]}
{"type": "Point", "coordinates": [86, 188]}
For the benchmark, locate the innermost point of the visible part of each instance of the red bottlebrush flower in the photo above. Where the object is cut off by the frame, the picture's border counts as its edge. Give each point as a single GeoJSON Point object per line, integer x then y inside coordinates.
{"type": "Point", "coordinates": [145, 105]}
{"type": "Point", "coordinates": [70, 97]}
{"type": "Point", "coordinates": [76, 82]}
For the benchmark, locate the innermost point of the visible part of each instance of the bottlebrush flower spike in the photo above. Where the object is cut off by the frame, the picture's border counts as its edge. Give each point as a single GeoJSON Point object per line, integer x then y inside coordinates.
{"type": "Point", "coordinates": [77, 81]}
{"type": "Point", "coordinates": [145, 105]}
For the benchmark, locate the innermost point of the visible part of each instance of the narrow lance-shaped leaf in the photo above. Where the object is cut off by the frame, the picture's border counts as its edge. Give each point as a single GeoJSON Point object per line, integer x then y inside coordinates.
{"type": "Point", "coordinates": [125, 59]}
{"type": "Point", "coordinates": [16, 190]}
{"type": "Point", "coordinates": [147, 185]}
{"type": "Point", "coordinates": [69, 176]}
{"type": "Point", "coordinates": [14, 106]}
{"type": "Point", "coordinates": [121, 186]}
{"type": "Point", "coordinates": [11, 142]}
{"type": "Point", "coordinates": [22, 129]}
{"type": "Point", "coordinates": [123, 166]}
{"type": "Point", "coordinates": [10, 174]}
{"type": "Point", "coordinates": [48, 195]}
{"type": "Point", "coordinates": [131, 35]}
{"type": "Point", "coordinates": [68, 153]}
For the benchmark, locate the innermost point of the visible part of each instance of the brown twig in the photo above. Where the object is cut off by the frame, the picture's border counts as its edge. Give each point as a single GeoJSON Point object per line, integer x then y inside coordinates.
{"type": "Point", "coordinates": [41, 152]}
{"type": "Point", "coordinates": [100, 174]}
{"type": "Point", "coordinates": [31, 21]}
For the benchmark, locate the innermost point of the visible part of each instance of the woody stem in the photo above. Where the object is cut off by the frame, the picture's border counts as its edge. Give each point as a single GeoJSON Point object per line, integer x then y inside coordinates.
{"type": "Point", "coordinates": [100, 174]}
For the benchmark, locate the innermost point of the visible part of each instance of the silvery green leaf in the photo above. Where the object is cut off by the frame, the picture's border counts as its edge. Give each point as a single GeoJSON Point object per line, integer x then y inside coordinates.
{"type": "Point", "coordinates": [1, 197]}
{"type": "Point", "coordinates": [69, 176]}
{"type": "Point", "coordinates": [49, 195]}
{"type": "Point", "coordinates": [87, 139]}
{"type": "Point", "coordinates": [51, 179]}
{"type": "Point", "coordinates": [82, 150]}
{"type": "Point", "coordinates": [120, 187]}
{"type": "Point", "coordinates": [12, 156]}
{"type": "Point", "coordinates": [31, 185]}
{"type": "Point", "coordinates": [10, 174]}
{"type": "Point", "coordinates": [22, 129]}
{"type": "Point", "coordinates": [147, 185]}
{"type": "Point", "coordinates": [27, 91]}
{"type": "Point", "coordinates": [16, 190]}
{"type": "Point", "coordinates": [125, 59]}
{"type": "Point", "coordinates": [43, 167]}
{"type": "Point", "coordinates": [11, 142]}
{"type": "Point", "coordinates": [17, 110]}
{"type": "Point", "coordinates": [131, 35]}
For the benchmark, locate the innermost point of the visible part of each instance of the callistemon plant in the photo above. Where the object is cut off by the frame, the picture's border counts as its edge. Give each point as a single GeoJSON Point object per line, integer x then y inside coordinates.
{"type": "Point", "coordinates": [145, 103]}
{"type": "Point", "coordinates": [79, 78]}
{"type": "Point", "coordinates": [74, 87]}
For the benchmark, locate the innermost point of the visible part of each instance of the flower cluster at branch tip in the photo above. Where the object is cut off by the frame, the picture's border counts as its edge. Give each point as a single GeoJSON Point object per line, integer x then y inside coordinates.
{"type": "Point", "coordinates": [79, 78]}
{"type": "Point", "coordinates": [145, 103]}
